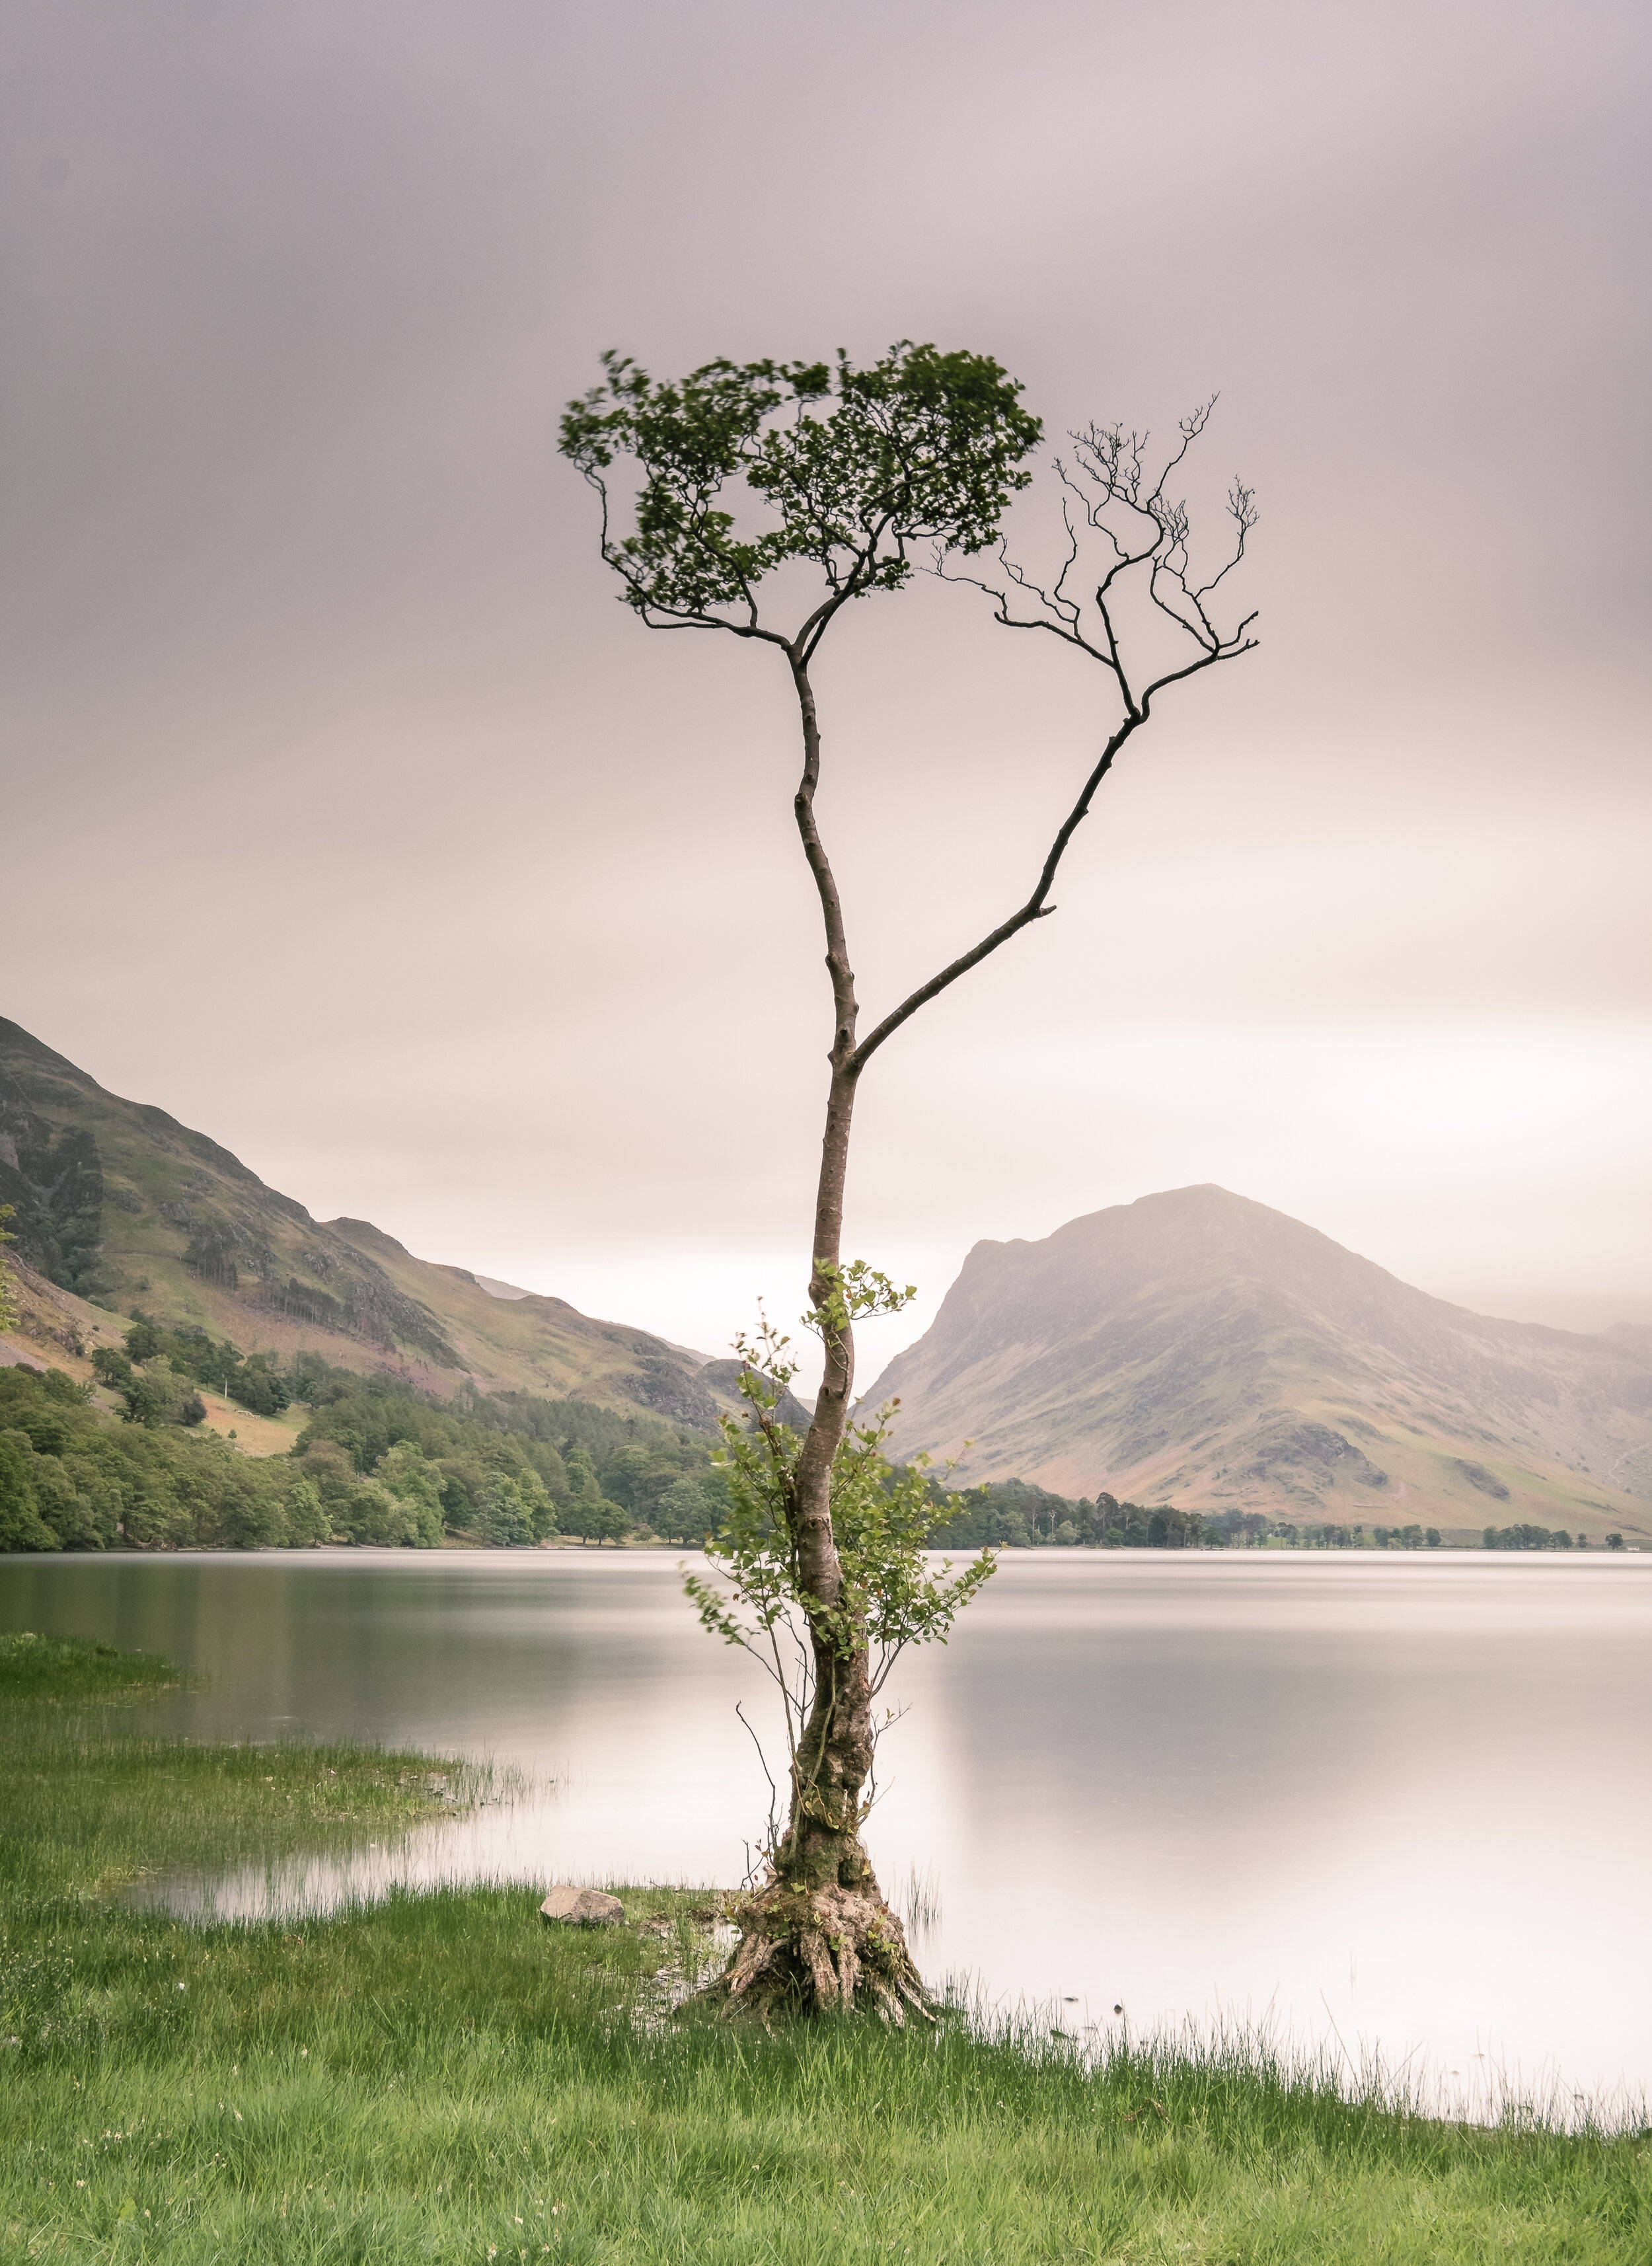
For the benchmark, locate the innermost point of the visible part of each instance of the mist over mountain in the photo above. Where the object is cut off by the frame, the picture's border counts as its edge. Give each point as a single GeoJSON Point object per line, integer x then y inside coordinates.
{"type": "Point", "coordinates": [1197, 1347]}
{"type": "Point", "coordinates": [1193, 1346]}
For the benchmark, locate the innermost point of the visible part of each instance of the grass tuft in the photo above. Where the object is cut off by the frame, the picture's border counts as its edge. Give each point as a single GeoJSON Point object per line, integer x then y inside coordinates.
{"type": "Point", "coordinates": [57, 1671]}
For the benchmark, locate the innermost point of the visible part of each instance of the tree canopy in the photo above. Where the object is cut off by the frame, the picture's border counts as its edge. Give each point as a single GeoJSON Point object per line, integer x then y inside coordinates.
{"type": "Point", "coordinates": [846, 469]}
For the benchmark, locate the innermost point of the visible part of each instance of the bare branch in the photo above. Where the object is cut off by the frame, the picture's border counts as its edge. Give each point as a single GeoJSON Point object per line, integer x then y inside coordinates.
{"type": "Point", "coordinates": [1066, 611]}
{"type": "Point", "coordinates": [1229, 651]}
{"type": "Point", "coordinates": [1191, 427]}
{"type": "Point", "coordinates": [1106, 474]}
{"type": "Point", "coordinates": [1035, 908]}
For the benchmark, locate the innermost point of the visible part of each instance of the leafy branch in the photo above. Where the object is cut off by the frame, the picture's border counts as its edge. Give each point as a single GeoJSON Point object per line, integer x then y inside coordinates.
{"type": "Point", "coordinates": [846, 468]}
{"type": "Point", "coordinates": [883, 1518]}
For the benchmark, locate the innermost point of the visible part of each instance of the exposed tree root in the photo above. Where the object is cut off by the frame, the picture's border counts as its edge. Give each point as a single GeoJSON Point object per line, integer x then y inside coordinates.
{"type": "Point", "coordinates": [816, 1950]}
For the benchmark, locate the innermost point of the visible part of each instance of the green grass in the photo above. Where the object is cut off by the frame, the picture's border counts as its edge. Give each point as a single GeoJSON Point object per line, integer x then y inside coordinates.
{"type": "Point", "coordinates": [439, 2077]}
{"type": "Point", "coordinates": [55, 1672]}
{"type": "Point", "coordinates": [86, 1813]}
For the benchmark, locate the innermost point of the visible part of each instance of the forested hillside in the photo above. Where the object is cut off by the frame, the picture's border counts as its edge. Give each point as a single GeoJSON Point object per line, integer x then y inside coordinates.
{"type": "Point", "coordinates": [378, 1462]}
{"type": "Point", "coordinates": [1193, 1346]}
{"type": "Point", "coordinates": [375, 1463]}
{"type": "Point", "coordinates": [118, 1205]}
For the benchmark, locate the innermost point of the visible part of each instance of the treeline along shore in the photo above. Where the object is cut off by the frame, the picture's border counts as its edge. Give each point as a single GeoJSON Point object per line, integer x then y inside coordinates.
{"type": "Point", "coordinates": [124, 1461]}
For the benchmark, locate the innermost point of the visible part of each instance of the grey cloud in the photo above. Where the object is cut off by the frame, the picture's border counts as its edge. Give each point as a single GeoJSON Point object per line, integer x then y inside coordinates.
{"type": "Point", "coordinates": [310, 670]}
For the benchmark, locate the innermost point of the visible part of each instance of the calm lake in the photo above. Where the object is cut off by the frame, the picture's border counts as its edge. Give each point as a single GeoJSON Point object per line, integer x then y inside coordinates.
{"type": "Point", "coordinates": [1400, 1803]}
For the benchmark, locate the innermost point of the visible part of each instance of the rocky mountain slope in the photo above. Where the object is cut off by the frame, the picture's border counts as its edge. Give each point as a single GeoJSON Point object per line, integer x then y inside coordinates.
{"type": "Point", "coordinates": [1199, 1347]}
{"type": "Point", "coordinates": [116, 1202]}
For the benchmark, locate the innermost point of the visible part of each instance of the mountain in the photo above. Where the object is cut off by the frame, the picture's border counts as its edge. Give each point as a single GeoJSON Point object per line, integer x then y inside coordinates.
{"type": "Point", "coordinates": [118, 1205]}
{"type": "Point", "coordinates": [1199, 1347]}
{"type": "Point", "coordinates": [1194, 1346]}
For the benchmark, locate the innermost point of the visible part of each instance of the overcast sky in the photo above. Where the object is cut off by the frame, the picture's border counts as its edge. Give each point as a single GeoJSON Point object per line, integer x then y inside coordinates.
{"type": "Point", "coordinates": [349, 817]}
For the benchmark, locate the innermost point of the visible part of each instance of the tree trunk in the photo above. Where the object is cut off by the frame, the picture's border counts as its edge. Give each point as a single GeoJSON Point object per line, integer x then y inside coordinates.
{"type": "Point", "coordinates": [818, 1934]}
{"type": "Point", "coordinates": [834, 1756]}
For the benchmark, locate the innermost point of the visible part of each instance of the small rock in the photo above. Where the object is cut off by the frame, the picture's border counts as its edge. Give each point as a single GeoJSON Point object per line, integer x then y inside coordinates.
{"type": "Point", "coordinates": [582, 1907]}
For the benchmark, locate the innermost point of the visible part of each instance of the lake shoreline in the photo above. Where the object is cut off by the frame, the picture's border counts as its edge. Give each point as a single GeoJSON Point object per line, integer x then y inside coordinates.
{"type": "Point", "coordinates": [1350, 1797]}
{"type": "Point", "coordinates": [440, 2074]}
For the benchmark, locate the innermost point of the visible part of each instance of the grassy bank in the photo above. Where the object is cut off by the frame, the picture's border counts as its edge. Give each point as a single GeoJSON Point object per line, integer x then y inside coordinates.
{"type": "Point", "coordinates": [442, 2078]}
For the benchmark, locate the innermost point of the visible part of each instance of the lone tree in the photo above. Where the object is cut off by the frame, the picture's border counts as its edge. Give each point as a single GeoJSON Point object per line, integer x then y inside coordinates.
{"type": "Point", "coordinates": [725, 479]}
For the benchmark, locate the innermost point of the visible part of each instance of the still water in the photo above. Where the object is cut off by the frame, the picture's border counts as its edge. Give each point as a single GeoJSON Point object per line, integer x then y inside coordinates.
{"type": "Point", "coordinates": [1387, 1804]}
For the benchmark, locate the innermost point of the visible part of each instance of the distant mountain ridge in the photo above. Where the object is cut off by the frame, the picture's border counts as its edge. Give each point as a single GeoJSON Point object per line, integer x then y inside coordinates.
{"type": "Point", "coordinates": [1194, 1346]}
{"type": "Point", "coordinates": [1198, 1347]}
{"type": "Point", "coordinates": [116, 1201]}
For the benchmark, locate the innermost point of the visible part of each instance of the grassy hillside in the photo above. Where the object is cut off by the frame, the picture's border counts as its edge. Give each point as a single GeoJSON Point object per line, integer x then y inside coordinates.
{"type": "Point", "coordinates": [1198, 1348]}
{"type": "Point", "coordinates": [1192, 1347]}
{"type": "Point", "coordinates": [118, 1205]}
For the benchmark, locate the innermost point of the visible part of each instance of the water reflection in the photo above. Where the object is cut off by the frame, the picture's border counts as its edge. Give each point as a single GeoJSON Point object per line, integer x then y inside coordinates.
{"type": "Point", "coordinates": [1400, 1802]}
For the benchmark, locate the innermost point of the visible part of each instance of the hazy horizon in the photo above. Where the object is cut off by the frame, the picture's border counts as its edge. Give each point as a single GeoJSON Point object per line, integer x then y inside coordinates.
{"type": "Point", "coordinates": [349, 819]}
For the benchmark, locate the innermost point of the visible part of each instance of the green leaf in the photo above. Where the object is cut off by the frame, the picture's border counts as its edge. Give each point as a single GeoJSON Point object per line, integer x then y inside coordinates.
{"type": "Point", "coordinates": [920, 448]}
{"type": "Point", "coordinates": [884, 1517]}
